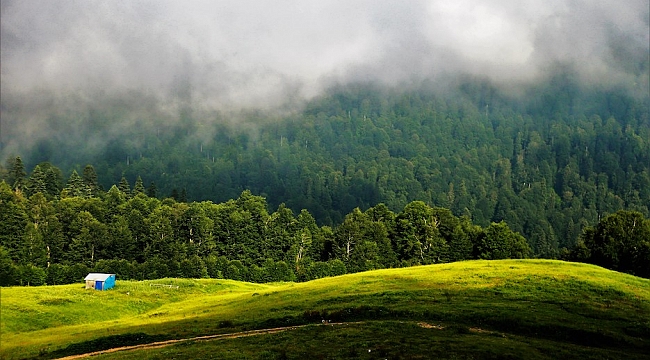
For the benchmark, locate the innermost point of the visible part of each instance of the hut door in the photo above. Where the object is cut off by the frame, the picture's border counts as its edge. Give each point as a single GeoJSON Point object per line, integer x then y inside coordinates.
{"type": "Point", "coordinates": [98, 285]}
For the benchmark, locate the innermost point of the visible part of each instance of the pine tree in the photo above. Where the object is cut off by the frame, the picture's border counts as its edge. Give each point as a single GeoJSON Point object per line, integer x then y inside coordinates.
{"type": "Point", "coordinates": [17, 174]}
{"type": "Point", "coordinates": [45, 179]}
{"type": "Point", "coordinates": [174, 195]}
{"type": "Point", "coordinates": [53, 180]}
{"type": "Point", "coordinates": [37, 181]}
{"type": "Point", "coordinates": [152, 191]}
{"type": "Point", "coordinates": [76, 186]}
{"type": "Point", "coordinates": [90, 180]}
{"type": "Point", "coordinates": [124, 187]}
{"type": "Point", "coordinates": [13, 220]}
{"type": "Point", "coordinates": [139, 186]}
{"type": "Point", "coordinates": [87, 245]}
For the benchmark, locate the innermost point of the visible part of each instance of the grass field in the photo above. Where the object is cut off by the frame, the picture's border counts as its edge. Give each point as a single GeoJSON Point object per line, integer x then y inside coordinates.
{"type": "Point", "coordinates": [473, 309]}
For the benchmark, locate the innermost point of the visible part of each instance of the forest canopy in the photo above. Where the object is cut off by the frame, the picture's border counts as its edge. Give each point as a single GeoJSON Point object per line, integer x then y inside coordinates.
{"type": "Point", "coordinates": [126, 232]}
{"type": "Point", "coordinates": [378, 178]}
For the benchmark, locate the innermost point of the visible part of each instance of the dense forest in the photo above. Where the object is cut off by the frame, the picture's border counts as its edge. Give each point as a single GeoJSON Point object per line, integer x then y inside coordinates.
{"type": "Point", "coordinates": [549, 162]}
{"type": "Point", "coordinates": [56, 240]}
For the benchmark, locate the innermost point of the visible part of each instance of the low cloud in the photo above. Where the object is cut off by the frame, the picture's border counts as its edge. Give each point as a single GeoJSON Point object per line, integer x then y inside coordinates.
{"type": "Point", "coordinates": [66, 58]}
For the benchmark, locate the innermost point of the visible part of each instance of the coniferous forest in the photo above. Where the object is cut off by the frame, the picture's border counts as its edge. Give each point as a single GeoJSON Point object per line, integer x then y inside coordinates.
{"type": "Point", "coordinates": [360, 178]}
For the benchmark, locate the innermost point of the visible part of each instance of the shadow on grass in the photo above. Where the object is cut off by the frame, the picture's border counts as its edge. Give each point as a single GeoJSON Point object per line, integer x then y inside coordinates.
{"type": "Point", "coordinates": [103, 343]}
{"type": "Point", "coordinates": [460, 324]}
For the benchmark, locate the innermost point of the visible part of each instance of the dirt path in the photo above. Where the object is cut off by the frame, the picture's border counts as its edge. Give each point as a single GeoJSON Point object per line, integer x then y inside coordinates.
{"type": "Point", "coordinates": [160, 344]}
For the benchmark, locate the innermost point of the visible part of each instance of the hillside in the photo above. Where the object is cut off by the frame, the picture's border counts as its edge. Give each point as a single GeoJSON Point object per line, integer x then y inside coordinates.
{"type": "Point", "coordinates": [516, 308]}
{"type": "Point", "coordinates": [550, 162]}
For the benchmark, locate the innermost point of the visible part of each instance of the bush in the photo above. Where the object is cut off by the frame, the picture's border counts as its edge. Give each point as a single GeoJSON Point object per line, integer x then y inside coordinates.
{"type": "Point", "coordinates": [278, 271]}
{"type": "Point", "coordinates": [31, 275]}
{"type": "Point", "coordinates": [56, 274]}
{"type": "Point", "coordinates": [338, 267]}
{"type": "Point", "coordinates": [498, 241]}
{"type": "Point", "coordinates": [236, 271]}
{"type": "Point", "coordinates": [257, 274]}
{"type": "Point", "coordinates": [8, 271]}
{"type": "Point", "coordinates": [124, 269]}
{"type": "Point", "coordinates": [155, 268]}
{"type": "Point", "coordinates": [318, 270]}
{"type": "Point", "coordinates": [215, 267]}
{"type": "Point", "coordinates": [76, 273]}
{"type": "Point", "coordinates": [193, 268]}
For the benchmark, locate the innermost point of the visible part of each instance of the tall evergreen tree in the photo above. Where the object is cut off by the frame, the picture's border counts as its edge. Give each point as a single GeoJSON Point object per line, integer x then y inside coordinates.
{"type": "Point", "coordinates": [17, 175]}
{"type": "Point", "coordinates": [124, 187]}
{"type": "Point", "coordinates": [88, 244]}
{"type": "Point", "coordinates": [90, 180]}
{"type": "Point", "coordinates": [37, 181]}
{"type": "Point", "coordinates": [76, 187]}
{"type": "Point", "coordinates": [138, 188]}
{"type": "Point", "coordinates": [152, 190]}
{"type": "Point", "coordinates": [13, 221]}
{"type": "Point", "coordinates": [53, 180]}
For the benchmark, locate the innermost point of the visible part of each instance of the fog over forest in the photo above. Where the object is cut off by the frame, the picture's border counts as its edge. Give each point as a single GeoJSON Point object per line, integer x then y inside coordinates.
{"type": "Point", "coordinates": [64, 61]}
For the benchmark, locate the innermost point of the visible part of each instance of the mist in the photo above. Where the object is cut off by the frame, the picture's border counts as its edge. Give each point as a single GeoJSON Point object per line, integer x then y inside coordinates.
{"type": "Point", "coordinates": [140, 63]}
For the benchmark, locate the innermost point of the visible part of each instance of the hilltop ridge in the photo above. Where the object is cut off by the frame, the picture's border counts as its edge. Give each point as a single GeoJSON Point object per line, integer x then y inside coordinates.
{"type": "Point", "coordinates": [547, 306]}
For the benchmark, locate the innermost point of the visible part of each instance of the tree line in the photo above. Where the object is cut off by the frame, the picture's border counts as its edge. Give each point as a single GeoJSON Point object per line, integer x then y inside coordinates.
{"type": "Point", "coordinates": [55, 234]}
{"type": "Point", "coordinates": [47, 238]}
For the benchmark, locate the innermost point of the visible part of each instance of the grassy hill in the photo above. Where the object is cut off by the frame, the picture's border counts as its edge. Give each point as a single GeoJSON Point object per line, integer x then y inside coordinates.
{"type": "Point", "coordinates": [477, 309]}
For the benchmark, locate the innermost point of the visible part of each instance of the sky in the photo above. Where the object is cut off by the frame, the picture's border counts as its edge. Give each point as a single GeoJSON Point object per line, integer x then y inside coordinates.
{"type": "Point", "coordinates": [64, 58]}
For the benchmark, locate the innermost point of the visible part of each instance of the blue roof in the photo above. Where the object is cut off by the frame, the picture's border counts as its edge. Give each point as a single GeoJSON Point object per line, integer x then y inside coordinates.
{"type": "Point", "coordinates": [98, 276]}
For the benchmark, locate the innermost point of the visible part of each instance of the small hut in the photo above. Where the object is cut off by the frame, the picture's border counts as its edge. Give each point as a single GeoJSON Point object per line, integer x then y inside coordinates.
{"type": "Point", "coordinates": [99, 281]}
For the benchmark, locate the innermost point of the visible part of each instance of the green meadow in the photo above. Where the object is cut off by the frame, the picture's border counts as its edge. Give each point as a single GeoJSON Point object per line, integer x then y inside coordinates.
{"type": "Point", "coordinates": [473, 309]}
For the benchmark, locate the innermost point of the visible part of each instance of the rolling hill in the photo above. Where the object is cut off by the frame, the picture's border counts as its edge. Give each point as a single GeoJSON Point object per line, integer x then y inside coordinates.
{"type": "Point", "coordinates": [513, 308]}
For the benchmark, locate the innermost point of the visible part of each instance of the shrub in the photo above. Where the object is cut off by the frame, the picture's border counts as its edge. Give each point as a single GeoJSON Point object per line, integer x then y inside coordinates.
{"type": "Point", "coordinates": [318, 270]}
{"type": "Point", "coordinates": [214, 266]}
{"type": "Point", "coordinates": [235, 271]}
{"type": "Point", "coordinates": [193, 268]}
{"type": "Point", "coordinates": [279, 271]}
{"type": "Point", "coordinates": [76, 273]}
{"type": "Point", "coordinates": [56, 274]}
{"type": "Point", "coordinates": [31, 275]}
{"type": "Point", "coordinates": [338, 267]}
{"type": "Point", "coordinates": [124, 269]}
{"type": "Point", "coordinates": [8, 271]}
{"type": "Point", "coordinates": [155, 268]}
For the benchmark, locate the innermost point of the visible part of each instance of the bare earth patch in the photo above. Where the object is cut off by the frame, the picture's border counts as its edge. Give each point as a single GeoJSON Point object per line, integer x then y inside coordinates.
{"type": "Point", "coordinates": [429, 326]}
